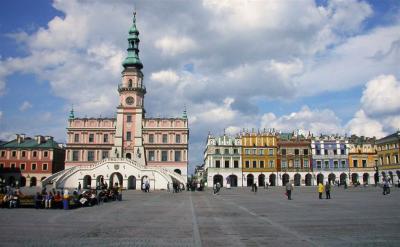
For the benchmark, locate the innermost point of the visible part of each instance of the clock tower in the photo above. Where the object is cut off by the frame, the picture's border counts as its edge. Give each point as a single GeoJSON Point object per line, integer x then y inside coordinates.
{"type": "Point", "coordinates": [128, 142]}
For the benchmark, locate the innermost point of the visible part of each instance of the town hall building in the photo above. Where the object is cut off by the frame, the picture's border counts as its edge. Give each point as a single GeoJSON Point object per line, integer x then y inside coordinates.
{"type": "Point", "coordinates": [130, 148]}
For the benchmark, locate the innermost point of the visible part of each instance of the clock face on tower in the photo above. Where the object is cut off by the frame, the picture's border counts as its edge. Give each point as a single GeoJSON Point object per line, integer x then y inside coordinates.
{"type": "Point", "coordinates": [129, 100]}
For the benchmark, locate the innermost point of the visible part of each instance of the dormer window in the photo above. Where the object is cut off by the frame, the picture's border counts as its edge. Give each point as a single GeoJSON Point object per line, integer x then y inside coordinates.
{"type": "Point", "coordinates": [130, 83]}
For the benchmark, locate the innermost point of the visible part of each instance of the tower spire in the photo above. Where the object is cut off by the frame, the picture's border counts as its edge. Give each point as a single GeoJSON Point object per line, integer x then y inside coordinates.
{"type": "Point", "coordinates": [133, 60]}
{"type": "Point", "coordinates": [71, 113]}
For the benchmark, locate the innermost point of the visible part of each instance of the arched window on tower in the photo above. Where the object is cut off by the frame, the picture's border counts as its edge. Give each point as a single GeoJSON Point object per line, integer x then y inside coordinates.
{"type": "Point", "coordinates": [130, 83]}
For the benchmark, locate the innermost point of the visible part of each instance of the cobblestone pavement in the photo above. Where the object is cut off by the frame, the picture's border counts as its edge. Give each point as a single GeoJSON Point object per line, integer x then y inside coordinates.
{"type": "Point", "coordinates": [235, 217]}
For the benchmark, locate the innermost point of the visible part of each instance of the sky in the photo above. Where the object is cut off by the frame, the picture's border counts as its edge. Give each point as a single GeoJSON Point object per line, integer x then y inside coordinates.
{"type": "Point", "coordinates": [322, 66]}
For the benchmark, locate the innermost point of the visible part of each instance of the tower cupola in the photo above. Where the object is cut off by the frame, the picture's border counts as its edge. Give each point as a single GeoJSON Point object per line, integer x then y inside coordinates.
{"type": "Point", "coordinates": [133, 60]}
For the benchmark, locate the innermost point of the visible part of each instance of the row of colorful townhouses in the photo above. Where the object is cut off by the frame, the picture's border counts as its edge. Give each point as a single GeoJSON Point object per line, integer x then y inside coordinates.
{"type": "Point", "coordinates": [269, 158]}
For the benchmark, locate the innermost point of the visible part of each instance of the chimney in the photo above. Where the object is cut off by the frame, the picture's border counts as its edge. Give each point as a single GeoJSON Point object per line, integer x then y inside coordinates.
{"type": "Point", "coordinates": [47, 138]}
{"type": "Point", "coordinates": [18, 138]}
{"type": "Point", "coordinates": [39, 139]}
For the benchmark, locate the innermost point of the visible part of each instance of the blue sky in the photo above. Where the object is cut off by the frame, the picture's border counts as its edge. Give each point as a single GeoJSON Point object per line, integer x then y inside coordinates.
{"type": "Point", "coordinates": [325, 66]}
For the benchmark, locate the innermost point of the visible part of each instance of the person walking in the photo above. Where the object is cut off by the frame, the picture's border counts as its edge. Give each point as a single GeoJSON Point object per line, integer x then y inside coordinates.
{"type": "Point", "coordinates": [328, 190]}
{"type": "Point", "coordinates": [386, 187]}
{"type": "Point", "coordinates": [79, 187]}
{"type": "Point", "coordinates": [320, 190]}
{"type": "Point", "coordinates": [255, 187]}
{"type": "Point", "coordinates": [289, 188]}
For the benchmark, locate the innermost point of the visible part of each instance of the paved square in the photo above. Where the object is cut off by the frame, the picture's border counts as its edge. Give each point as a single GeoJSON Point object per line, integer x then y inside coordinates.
{"type": "Point", "coordinates": [236, 217]}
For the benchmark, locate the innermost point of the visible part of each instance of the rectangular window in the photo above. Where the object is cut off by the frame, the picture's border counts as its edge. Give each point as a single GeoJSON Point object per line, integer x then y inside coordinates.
{"type": "Point", "coordinates": [22, 167]}
{"type": "Point", "coordinates": [261, 151]}
{"type": "Point", "coordinates": [236, 163]}
{"type": "Point", "coordinates": [44, 167]}
{"type": "Point", "coordinates": [325, 151]}
{"type": "Point", "coordinates": [105, 138]}
{"type": "Point", "coordinates": [151, 138]}
{"type": "Point", "coordinates": [3, 153]}
{"type": "Point", "coordinates": [318, 152]}
{"type": "Point", "coordinates": [305, 162]}
{"type": "Point", "coordinates": [34, 154]}
{"type": "Point", "coordinates": [247, 164]}
{"type": "Point", "coordinates": [128, 136]}
{"type": "Point", "coordinates": [151, 155]}
{"type": "Point", "coordinates": [396, 159]}
{"type": "Point", "coordinates": [296, 163]}
{"type": "Point", "coordinates": [217, 163]}
{"type": "Point", "coordinates": [296, 152]}
{"type": "Point", "coordinates": [91, 137]}
{"type": "Point", "coordinates": [247, 151]}
{"type": "Point", "coordinates": [254, 164]}
{"type": "Point", "coordinates": [335, 164]}
{"type": "Point", "coordinates": [226, 163]}
{"type": "Point", "coordinates": [261, 163]}
{"type": "Point", "coordinates": [1, 166]}
{"type": "Point", "coordinates": [104, 154]}
{"type": "Point", "coordinates": [226, 151]}
{"type": "Point", "coordinates": [305, 151]}
{"type": "Point", "coordinates": [217, 151]}
{"type": "Point", "coordinates": [319, 164]}
{"type": "Point", "coordinates": [270, 152]}
{"type": "Point", "coordinates": [283, 151]}
{"type": "Point", "coordinates": [128, 118]}
{"type": "Point", "coordinates": [284, 164]}
{"type": "Point", "coordinates": [177, 138]}
{"type": "Point", "coordinates": [164, 138]}
{"type": "Point", "coordinates": [164, 156]}
{"type": "Point", "coordinates": [235, 151]}
{"type": "Point", "coordinates": [254, 151]}
{"type": "Point", "coordinates": [46, 154]}
{"type": "Point", "coordinates": [342, 152]}
{"type": "Point", "coordinates": [364, 164]}
{"type": "Point", "coordinates": [12, 166]}
{"type": "Point", "coordinates": [33, 166]}
{"type": "Point", "coordinates": [271, 164]}
{"type": "Point", "coordinates": [335, 151]}
{"type": "Point", "coordinates": [23, 154]}
{"type": "Point", "coordinates": [90, 155]}
{"type": "Point", "coordinates": [355, 163]}
{"type": "Point", "coordinates": [14, 153]}
{"type": "Point", "coordinates": [75, 155]}
{"type": "Point", "coordinates": [343, 164]}
{"type": "Point", "coordinates": [76, 138]}
{"type": "Point", "coordinates": [326, 164]}
{"type": "Point", "coordinates": [177, 155]}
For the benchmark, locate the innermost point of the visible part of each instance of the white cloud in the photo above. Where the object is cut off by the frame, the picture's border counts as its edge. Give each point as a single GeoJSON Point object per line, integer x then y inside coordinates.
{"type": "Point", "coordinates": [362, 125]}
{"type": "Point", "coordinates": [382, 96]}
{"type": "Point", "coordinates": [25, 106]}
{"type": "Point", "coordinates": [1, 115]}
{"type": "Point", "coordinates": [317, 121]}
{"type": "Point", "coordinates": [171, 46]}
{"type": "Point", "coordinates": [167, 77]}
{"type": "Point", "coordinates": [380, 108]}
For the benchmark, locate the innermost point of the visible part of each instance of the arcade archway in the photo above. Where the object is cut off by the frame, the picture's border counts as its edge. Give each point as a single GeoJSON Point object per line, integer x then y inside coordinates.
{"type": "Point", "coordinates": [116, 177]}
{"type": "Point", "coordinates": [285, 179]}
{"type": "Point", "coordinates": [261, 180]}
{"type": "Point", "coordinates": [131, 183]}
{"type": "Point", "coordinates": [320, 178]}
{"type": "Point", "coordinates": [250, 180]}
{"type": "Point", "coordinates": [272, 180]}
{"type": "Point", "coordinates": [297, 179]}
{"type": "Point", "coordinates": [343, 178]}
{"type": "Point", "coordinates": [233, 180]}
{"type": "Point", "coordinates": [218, 179]}
{"type": "Point", "coordinates": [87, 182]}
{"type": "Point", "coordinates": [308, 179]}
{"type": "Point", "coordinates": [331, 178]}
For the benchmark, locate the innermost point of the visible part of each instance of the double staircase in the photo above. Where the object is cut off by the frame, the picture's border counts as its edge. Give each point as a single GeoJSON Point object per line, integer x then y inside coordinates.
{"type": "Point", "coordinates": [58, 179]}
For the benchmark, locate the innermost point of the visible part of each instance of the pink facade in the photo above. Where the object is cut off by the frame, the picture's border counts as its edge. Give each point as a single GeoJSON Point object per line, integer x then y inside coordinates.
{"type": "Point", "coordinates": [89, 140]}
{"type": "Point", "coordinates": [166, 143]}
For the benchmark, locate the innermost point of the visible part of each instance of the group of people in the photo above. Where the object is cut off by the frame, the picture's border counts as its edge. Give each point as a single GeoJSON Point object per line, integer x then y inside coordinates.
{"type": "Point", "coordinates": [217, 188]}
{"type": "Point", "coordinates": [51, 199]}
{"type": "Point", "coordinates": [11, 198]}
{"type": "Point", "coordinates": [327, 188]}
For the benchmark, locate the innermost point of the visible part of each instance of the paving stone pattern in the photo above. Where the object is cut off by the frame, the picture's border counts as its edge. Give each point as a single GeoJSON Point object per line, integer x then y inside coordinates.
{"type": "Point", "coordinates": [235, 217]}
